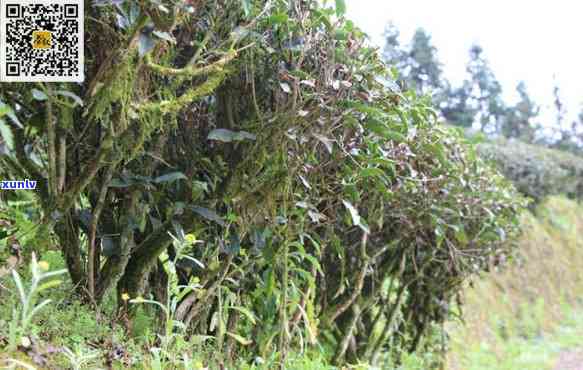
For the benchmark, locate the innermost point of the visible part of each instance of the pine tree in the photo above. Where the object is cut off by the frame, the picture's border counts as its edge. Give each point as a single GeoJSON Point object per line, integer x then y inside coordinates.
{"type": "Point", "coordinates": [425, 69]}
{"type": "Point", "coordinates": [563, 135]}
{"type": "Point", "coordinates": [486, 91]}
{"type": "Point", "coordinates": [456, 106]}
{"type": "Point", "coordinates": [393, 53]}
{"type": "Point", "coordinates": [417, 64]}
{"type": "Point", "coordinates": [570, 137]}
{"type": "Point", "coordinates": [518, 118]}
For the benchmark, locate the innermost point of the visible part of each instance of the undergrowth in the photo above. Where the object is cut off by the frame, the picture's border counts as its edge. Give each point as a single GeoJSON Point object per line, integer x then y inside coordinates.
{"type": "Point", "coordinates": [69, 334]}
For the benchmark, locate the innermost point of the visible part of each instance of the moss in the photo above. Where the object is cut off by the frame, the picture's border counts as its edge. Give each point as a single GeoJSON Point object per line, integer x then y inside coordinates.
{"type": "Point", "coordinates": [191, 95]}
{"type": "Point", "coordinates": [191, 71]}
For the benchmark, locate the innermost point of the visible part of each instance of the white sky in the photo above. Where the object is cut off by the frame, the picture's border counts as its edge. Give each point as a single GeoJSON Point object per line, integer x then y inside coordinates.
{"type": "Point", "coordinates": [522, 40]}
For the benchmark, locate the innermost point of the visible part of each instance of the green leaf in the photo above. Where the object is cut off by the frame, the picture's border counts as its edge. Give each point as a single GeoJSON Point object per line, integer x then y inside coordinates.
{"type": "Point", "coordinates": [323, 18]}
{"type": "Point", "coordinates": [226, 136]}
{"type": "Point", "coordinates": [71, 95]}
{"type": "Point", "coordinates": [6, 110]}
{"type": "Point", "coordinates": [109, 247]}
{"type": "Point", "coordinates": [170, 177]}
{"type": "Point", "coordinates": [47, 275]}
{"type": "Point", "coordinates": [340, 7]}
{"type": "Point", "coordinates": [353, 212]}
{"type": "Point", "coordinates": [382, 130]}
{"type": "Point", "coordinates": [234, 246]}
{"type": "Point", "coordinates": [372, 172]}
{"type": "Point", "coordinates": [146, 44]}
{"type": "Point", "coordinates": [314, 261]}
{"type": "Point", "coordinates": [38, 308]}
{"type": "Point", "coordinates": [48, 285]}
{"type": "Point", "coordinates": [240, 339]}
{"type": "Point", "coordinates": [245, 312]}
{"type": "Point", "coordinates": [209, 215]}
{"type": "Point", "coordinates": [120, 183]}
{"type": "Point", "coordinates": [279, 18]}
{"type": "Point", "coordinates": [364, 108]}
{"type": "Point", "coordinates": [461, 236]}
{"type": "Point", "coordinates": [6, 134]}
{"type": "Point", "coordinates": [19, 286]}
{"type": "Point", "coordinates": [246, 4]}
{"type": "Point", "coordinates": [39, 95]}
{"type": "Point", "coordinates": [165, 36]}
{"type": "Point", "coordinates": [341, 35]}
{"type": "Point", "coordinates": [356, 219]}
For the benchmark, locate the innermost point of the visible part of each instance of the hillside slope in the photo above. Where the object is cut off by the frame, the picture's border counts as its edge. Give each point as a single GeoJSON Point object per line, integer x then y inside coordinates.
{"type": "Point", "coordinates": [525, 316]}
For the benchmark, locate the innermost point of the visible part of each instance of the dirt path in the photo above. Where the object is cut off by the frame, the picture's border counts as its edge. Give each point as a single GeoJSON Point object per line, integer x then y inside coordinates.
{"type": "Point", "coordinates": [570, 360]}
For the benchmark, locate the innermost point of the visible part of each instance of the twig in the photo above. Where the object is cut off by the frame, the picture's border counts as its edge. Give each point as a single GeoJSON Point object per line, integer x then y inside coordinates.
{"type": "Point", "coordinates": [388, 323]}
{"type": "Point", "coordinates": [201, 47]}
{"type": "Point", "coordinates": [339, 309]}
{"type": "Point", "coordinates": [343, 346]}
{"type": "Point", "coordinates": [62, 163]}
{"type": "Point", "coordinates": [209, 292]}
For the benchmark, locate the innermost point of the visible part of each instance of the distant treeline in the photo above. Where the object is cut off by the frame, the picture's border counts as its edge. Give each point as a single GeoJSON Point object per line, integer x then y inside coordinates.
{"type": "Point", "coordinates": [478, 102]}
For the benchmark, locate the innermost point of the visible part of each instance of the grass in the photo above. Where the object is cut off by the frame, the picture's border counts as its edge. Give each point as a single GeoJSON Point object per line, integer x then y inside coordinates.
{"type": "Point", "coordinates": [516, 352]}
{"type": "Point", "coordinates": [523, 316]}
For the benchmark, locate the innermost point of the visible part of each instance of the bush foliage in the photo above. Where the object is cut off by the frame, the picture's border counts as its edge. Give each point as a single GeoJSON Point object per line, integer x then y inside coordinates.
{"type": "Point", "coordinates": [536, 171]}
{"type": "Point", "coordinates": [319, 202]}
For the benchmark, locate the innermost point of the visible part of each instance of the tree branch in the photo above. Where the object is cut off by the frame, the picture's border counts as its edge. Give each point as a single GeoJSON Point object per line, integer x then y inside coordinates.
{"type": "Point", "coordinates": [52, 149]}
{"type": "Point", "coordinates": [191, 95]}
{"type": "Point", "coordinates": [93, 230]}
{"type": "Point", "coordinates": [115, 267]}
{"type": "Point", "coordinates": [107, 70]}
{"type": "Point", "coordinates": [191, 71]}
{"type": "Point", "coordinates": [88, 174]}
{"type": "Point", "coordinates": [339, 309]}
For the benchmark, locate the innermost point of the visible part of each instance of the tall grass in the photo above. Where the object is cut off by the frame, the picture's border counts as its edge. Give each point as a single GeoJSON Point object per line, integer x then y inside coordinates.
{"type": "Point", "coordinates": [528, 301]}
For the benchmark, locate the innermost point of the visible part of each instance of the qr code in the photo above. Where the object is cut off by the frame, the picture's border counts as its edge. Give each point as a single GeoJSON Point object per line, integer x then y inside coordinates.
{"type": "Point", "coordinates": [41, 40]}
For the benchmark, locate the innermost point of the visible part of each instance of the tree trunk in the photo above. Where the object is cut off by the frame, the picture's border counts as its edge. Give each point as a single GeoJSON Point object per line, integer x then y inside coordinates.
{"type": "Point", "coordinates": [67, 231]}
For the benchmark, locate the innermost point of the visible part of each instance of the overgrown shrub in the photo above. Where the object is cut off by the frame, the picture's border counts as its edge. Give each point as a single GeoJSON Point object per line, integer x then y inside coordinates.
{"type": "Point", "coordinates": [330, 206]}
{"type": "Point", "coordinates": [536, 171]}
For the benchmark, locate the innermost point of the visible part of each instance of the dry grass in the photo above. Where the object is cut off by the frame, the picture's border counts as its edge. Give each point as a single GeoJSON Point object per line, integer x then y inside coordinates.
{"type": "Point", "coordinates": [533, 296]}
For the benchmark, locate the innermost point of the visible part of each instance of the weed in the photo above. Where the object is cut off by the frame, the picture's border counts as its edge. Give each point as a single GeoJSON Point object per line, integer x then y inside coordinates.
{"type": "Point", "coordinates": [80, 357]}
{"type": "Point", "coordinates": [23, 314]}
{"type": "Point", "coordinates": [172, 329]}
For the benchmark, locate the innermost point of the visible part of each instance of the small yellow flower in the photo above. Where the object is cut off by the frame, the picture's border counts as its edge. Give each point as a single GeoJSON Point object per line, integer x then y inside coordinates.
{"type": "Point", "coordinates": [190, 238]}
{"type": "Point", "coordinates": [44, 265]}
{"type": "Point", "coordinates": [125, 297]}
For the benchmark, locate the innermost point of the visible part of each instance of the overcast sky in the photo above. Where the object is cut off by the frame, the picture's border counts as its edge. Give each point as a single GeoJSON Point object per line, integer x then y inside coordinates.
{"type": "Point", "coordinates": [523, 40]}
